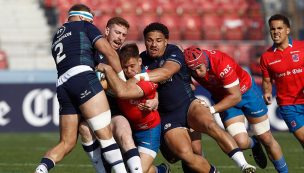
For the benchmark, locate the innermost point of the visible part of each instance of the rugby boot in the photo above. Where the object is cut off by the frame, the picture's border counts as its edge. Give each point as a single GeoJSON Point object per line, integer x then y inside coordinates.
{"type": "Point", "coordinates": [258, 154]}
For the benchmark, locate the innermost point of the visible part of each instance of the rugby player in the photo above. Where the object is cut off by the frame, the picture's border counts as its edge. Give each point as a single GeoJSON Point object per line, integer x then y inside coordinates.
{"type": "Point", "coordinates": [235, 94]}
{"type": "Point", "coordinates": [178, 107]}
{"type": "Point", "coordinates": [283, 65]}
{"type": "Point", "coordinates": [115, 33]}
{"type": "Point", "coordinates": [79, 91]}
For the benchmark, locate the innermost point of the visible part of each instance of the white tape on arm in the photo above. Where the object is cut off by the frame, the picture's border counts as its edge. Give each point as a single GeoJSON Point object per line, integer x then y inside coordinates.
{"type": "Point", "coordinates": [143, 76]}
{"type": "Point", "coordinates": [212, 110]}
{"type": "Point", "coordinates": [121, 75]}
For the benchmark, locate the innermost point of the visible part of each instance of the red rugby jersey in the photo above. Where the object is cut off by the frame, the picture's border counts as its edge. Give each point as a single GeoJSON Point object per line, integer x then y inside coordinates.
{"type": "Point", "coordinates": [287, 69]}
{"type": "Point", "coordinates": [140, 120]}
{"type": "Point", "coordinates": [223, 73]}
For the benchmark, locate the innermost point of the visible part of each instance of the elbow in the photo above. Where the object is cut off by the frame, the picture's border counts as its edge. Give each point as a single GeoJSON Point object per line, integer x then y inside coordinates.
{"type": "Point", "coordinates": [235, 98]}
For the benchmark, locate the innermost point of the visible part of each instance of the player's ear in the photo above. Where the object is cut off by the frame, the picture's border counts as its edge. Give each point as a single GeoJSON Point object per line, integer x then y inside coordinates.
{"type": "Point", "coordinates": [107, 31]}
{"type": "Point", "coordinates": [288, 30]}
{"type": "Point", "coordinates": [139, 61]}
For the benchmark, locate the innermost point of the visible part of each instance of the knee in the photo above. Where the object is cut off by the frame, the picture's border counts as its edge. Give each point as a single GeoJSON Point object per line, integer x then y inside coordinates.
{"type": "Point", "coordinates": [242, 142]}
{"type": "Point", "coordinates": [266, 139]}
{"type": "Point", "coordinates": [85, 132]}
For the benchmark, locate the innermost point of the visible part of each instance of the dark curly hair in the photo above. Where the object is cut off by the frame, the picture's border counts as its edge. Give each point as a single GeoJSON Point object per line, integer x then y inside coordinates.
{"type": "Point", "coordinates": [157, 27]}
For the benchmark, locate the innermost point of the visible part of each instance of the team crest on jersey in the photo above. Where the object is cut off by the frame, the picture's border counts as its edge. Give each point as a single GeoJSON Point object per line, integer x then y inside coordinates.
{"type": "Point", "coordinates": [293, 123]}
{"type": "Point", "coordinates": [161, 63]}
{"type": "Point", "coordinates": [60, 31]}
{"type": "Point", "coordinates": [295, 57]}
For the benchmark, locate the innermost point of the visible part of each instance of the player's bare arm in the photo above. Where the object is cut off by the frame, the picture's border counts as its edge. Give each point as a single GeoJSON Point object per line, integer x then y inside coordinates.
{"type": "Point", "coordinates": [159, 74]}
{"type": "Point", "coordinates": [121, 89]}
{"type": "Point", "coordinates": [267, 90]}
{"type": "Point", "coordinates": [232, 98]}
{"type": "Point", "coordinates": [103, 46]}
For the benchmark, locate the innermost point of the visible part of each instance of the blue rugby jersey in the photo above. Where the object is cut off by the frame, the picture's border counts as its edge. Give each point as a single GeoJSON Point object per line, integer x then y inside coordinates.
{"type": "Point", "coordinates": [73, 45]}
{"type": "Point", "coordinates": [175, 91]}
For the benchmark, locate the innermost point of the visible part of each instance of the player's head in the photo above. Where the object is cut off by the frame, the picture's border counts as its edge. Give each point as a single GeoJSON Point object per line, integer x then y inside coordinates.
{"type": "Point", "coordinates": [156, 37]}
{"type": "Point", "coordinates": [279, 28]}
{"type": "Point", "coordinates": [196, 60]}
{"type": "Point", "coordinates": [80, 12]}
{"type": "Point", "coordinates": [130, 60]}
{"type": "Point", "coordinates": [116, 31]}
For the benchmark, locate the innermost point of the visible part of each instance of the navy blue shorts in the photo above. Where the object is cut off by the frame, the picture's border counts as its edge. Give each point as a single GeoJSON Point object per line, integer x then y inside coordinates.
{"type": "Point", "coordinates": [176, 118]}
{"type": "Point", "coordinates": [76, 91]}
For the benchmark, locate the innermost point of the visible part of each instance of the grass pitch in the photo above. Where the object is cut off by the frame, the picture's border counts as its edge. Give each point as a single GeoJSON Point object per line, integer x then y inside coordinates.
{"type": "Point", "coordinates": [21, 152]}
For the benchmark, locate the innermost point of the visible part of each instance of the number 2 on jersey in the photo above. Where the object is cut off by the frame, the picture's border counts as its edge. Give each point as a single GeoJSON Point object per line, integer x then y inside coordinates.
{"type": "Point", "coordinates": [60, 56]}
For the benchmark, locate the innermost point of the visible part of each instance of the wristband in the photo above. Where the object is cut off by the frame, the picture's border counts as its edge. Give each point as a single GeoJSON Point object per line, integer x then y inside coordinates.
{"type": "Point", "coordinates": [121, 75]}
{"type": "Point", "coordinates": [212, 110]}
{"type": "Point", "coordinates": [143, 76]}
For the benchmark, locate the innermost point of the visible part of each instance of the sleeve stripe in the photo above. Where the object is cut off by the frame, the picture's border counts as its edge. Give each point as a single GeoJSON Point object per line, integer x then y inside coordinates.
{"type": "Point", "coordinates": [169, 59]}
{"type": "Point", "coordinates": [95, 39]}
{"type": "Point", "coordinates": [232, 84]}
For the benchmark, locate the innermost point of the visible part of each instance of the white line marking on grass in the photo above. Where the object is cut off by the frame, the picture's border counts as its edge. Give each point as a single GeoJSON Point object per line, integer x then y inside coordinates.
{"type": "Point", "coordinates": [32, 164]}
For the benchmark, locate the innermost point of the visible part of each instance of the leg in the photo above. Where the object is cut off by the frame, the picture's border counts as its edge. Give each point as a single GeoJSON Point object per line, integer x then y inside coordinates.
{"type": "Point", "coordinates": [182, 149]}
{"type": "Point", "coordinates": [201, 120]}
{"type": "Point", "coordinates": [96, 112]}
{"type": "Point", "coordinates": [92, 147]}
{"type": "Point", "coordinates": [299, 134]}
{"type": "Point", "coordinates": [123, 134]}
{"type": "Point", "coordinates": [68, 138]}
{"type": "Point", "coordinates": [261, 128]}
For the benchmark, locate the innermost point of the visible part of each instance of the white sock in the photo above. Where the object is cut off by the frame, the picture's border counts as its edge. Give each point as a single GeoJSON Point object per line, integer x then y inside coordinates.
{"type": "Point", "coordinates": [134, 164]}
{"type": "Point", "coordinates": [41, 169]}
{"type": "Point", "coordinates": [112, 155]}
{"type": "Point", "coordinates": [94, 155]}
{"type": "Point", "coordinates": [239, 159]}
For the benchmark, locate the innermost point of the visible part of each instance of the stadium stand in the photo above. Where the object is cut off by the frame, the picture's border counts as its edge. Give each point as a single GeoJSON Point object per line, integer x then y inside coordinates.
{"type": "Point", "coordinates": [25, 35]}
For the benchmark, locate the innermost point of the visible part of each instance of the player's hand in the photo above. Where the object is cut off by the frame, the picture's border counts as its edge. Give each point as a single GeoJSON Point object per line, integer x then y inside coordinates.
{"type": "Point", "coordinates": [149, 105]}
{"type": "Point", "coordinates": [267, 98]}
{"type": "Point", "coordinates": [102, 67]}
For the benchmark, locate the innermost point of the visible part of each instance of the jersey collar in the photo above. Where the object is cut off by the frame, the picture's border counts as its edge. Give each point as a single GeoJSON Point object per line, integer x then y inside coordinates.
{"type": "Point", "coordinates": [274, 48]}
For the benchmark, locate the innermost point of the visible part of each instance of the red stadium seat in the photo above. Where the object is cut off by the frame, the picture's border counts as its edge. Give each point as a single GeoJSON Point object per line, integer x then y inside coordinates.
{"type": "Point", "coordinates": [3, 60]}
{"type": "Point", "coordinates": [233, 27]}
{"type": "Point", "coordinates": [191, 27]}
{"type": "Point", "coordinates": [206, 6]}
{"type": "Point", "coordinates": [133, 33]}
{"type": "Point", "coordinates": [144, 21]}
{"type": "Point", "coordinates": [255, 29]}
{"type": "Point", "coordinates": [166, 7]}
{"type": "Point", "coordinates": [146, 7]}
{"type": "Point", "coordinates": [211, 27]}
{"type": "Point", "coordinates": [125, 7]}
{"type": "Point", "coordinates": [172, 22]}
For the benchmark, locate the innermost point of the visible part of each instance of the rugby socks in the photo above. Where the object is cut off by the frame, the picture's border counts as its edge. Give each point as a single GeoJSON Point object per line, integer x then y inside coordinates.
{"type": "Point", "coordinates": [212, 169]}
{"type": "Point", "coordinates": [112, 155]}
{"type": "Point", "coordinates": [133, 160]}
{"type": "Point", "coordinates": [280, 165]}
{"type": "Point", "coordinates": [238, 157]}
{"type": "Point", "coordinates": [92, 149]}
{"type": "Point", "coordinates": [161, 169]}
{"type": "Point", "coordinates": [45, 165]}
